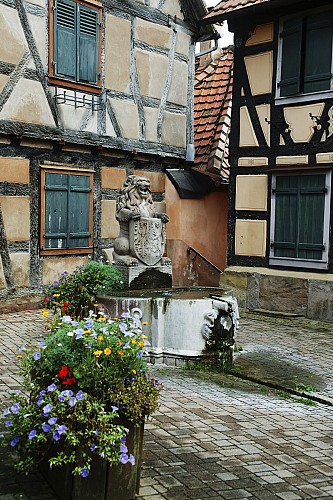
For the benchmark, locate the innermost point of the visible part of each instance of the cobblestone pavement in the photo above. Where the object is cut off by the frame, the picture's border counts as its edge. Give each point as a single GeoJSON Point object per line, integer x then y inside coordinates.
{"type": "Point", "coordinates": [216, 436]}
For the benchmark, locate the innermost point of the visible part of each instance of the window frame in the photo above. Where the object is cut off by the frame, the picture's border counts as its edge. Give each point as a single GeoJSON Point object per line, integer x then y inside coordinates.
{"type": "Point", "coordinates": [66, 82]}
{"type": "Point", "coordinates": [295, 262]}
{"type": "Point", "coordinates": [66, 171]}
{"type": "Point", "coordinates": [310, 96]}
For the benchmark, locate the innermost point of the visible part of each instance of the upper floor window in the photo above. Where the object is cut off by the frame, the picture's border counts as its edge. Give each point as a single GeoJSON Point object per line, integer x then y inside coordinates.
{"type": "Point", "coordinates": [306, 54]}
{"type": "Point", "coordinates": [75, 44]}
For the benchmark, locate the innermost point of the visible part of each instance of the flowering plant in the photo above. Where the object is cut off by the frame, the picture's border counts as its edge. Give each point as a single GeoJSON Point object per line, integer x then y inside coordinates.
{"type": "Point", "coordinates": [80, 379]}
{"type": "Point", "coordinates": [74, 293]}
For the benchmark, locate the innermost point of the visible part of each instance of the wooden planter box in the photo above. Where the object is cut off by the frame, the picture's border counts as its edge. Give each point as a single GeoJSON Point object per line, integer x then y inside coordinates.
{"type": "Point", "coordinates": [119, 482]}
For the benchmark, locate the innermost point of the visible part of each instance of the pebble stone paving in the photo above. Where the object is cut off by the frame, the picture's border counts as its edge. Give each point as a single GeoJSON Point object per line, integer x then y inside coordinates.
{"type": "Point", "coordinates": [214, 436]}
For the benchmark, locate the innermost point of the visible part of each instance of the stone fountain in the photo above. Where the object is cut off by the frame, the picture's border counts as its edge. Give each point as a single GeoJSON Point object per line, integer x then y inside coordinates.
{"type": "Point", "coordinates": [183, 324]}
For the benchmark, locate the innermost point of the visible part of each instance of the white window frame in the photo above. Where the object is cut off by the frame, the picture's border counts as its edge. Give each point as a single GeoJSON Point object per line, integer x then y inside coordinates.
{"type": "Point", "coordinates": [304, 263]}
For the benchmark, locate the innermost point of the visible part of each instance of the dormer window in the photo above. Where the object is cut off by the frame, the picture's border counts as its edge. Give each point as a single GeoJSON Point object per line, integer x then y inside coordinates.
{"type": "Point", "coordinates": [306, 54]}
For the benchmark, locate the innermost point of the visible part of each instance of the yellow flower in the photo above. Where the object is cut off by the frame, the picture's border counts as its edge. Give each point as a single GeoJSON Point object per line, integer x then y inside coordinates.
{"type": "Point", "coordinates": [56, 295]}
{"type": "Point", "coordinates": [116, 319]}
{"type": "Point", "coordinates": [121, 353]}
{"type": "Point", "coordinates": [133, 341]}
{"type": "Point", "coordinates": [99, 338]}
{"type": "Point", "coordinates": [87, 331]}
{"type": "Point", "coordinates": [95, 305]}
{"type": "Point", "coordinates": [144, 336]}
{"type": "Point", "coordinates": [98, 353]}
{"type": "Point", "coordinates": [107, 351]}
{"type": "Point", "coordinates": [119, 342]}
{"type": "Point", "coordinates": [45, 313]}
{"type": "Point", "coordinates": [19, 356]}
{"type": "Point", "coordinates": [141, 344]}
{"type": "Point", "coordinates": [144, 323]}
{"type": "Point", "coordinates": [134, 372]}
{"type": "Point", "coordinates": [101, 318]}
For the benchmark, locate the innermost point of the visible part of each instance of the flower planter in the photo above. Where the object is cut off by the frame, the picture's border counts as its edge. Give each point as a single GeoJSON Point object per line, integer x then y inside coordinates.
{"type": "Point", "coordinates": [118, 482]}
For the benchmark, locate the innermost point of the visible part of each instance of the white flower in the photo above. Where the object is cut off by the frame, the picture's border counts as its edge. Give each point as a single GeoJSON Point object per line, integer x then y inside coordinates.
{"type": "Point", "coordinates": [70, 334]}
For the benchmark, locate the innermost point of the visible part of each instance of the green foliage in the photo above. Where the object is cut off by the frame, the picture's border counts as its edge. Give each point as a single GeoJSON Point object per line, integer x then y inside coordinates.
{"type": "Point", "coordinates": [82, 377]}
{"type": "Point", "coordinates": [75, 293]}
{"type": "Point", "coordinates": [305, 388]}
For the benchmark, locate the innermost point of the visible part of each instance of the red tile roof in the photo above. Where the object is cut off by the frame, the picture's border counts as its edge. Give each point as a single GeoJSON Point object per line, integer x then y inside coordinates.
{"type": "Point", "coordinates": [212, 115]}
{"type": "Point", "coordinates": [227, 6]}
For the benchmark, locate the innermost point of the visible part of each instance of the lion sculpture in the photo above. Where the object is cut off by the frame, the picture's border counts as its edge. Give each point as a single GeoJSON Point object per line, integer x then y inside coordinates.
{"type": "Point", "coordinates": [134, 202]}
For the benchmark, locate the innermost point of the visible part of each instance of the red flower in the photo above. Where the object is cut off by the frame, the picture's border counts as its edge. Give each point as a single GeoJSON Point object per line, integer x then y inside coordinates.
{"type": "Point", "coordinates": [66, 375]}
{"type": "Point", "coordinates": [46, 300]}
{"type": "Point", "coordinates": [64, 306]}
{"type": "Point", "coordinates": [63, 372]}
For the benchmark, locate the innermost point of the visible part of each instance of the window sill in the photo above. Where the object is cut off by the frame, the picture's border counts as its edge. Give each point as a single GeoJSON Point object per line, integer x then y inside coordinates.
{"type": "Point", "coordinates": [315, 96]}
{"type": "Point", "coordinates": [65, 251]}
{"type": "Point", "coordinates": [68, 84]}
{"type": "Point", "coordinates": [308, 264]}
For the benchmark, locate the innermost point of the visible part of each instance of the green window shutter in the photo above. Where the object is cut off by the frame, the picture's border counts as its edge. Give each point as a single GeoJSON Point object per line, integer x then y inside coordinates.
{"type": "Point", "coordinates": [291, 57]}
{"type": "Point", "coordinates": [318, 53]}
{"type": "Point", "coordinates": [79, 211]}
{"type": "Point", "coordinates": [65, 21]}
{"type": "Point", "coordinates": [299, 216]}
{"type": "Point", "coordinates": [286, 211]}
{"type": "Point", "coordinates": [67, 211]}
{"type": "Point", "coordinates": [56, 210]}
{"type": "Point", "coordinates": [88, 45]}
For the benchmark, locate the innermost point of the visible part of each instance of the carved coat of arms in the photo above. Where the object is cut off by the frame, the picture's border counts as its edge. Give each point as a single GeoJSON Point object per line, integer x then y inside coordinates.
{"type": "Point", "coordinates": [147, 239]}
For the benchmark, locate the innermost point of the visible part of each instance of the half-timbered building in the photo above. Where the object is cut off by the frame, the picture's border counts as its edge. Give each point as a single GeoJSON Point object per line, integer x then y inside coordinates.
{"type": "Point", "coordinates": [90, 91]}
{"type": "Point", "coordinates": [281, 154]}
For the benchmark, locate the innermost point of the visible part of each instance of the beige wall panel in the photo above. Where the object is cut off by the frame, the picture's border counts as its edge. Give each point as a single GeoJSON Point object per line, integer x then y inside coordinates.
{"type": "Point", "coordinates": [324, 157]}
{"type": "Point", "coordinates": [16, 217]}
{"type": "Point", "coordinates": [260, 70]}
{"type": "Point", "coordinates": [4, 139]}
{"type": "Point", "coordinates": [109, 130]}
{"type": "Point", "coordinates": [41, 3]}
{"type": "Point", "coordinates": [3, 80]}
{"type": "Point", "coordinates": [36, 143]}
{"type": "Point", "coordinates": [255, 161]}
{"type": "Point", "coordinates": [38, 28]}
{"type": "Point", "coordinates": [27, 103]}
{"type": "Point", "coordinates": [178, 88]}
{"type": "Point", "coordinates": [250, 238]}
{"type": "Point", "coordinates": [292, 160]}
{"type": "Point", "coordinates": [110, 226]}
{"type": "Point", "coordinates": [264, 117]}
{"type": "Point", "coordinates": [183, 43]}
{"type": "Point", "coordinates": [117, 53]}
{"type": "Point", "coordinates": [127, 117]}
{"type": "Point", "coordinates": [54, 267]}
{"type": "Point", "coordinates": [160, 207]}
{"type": "Point", "coordinates": [113, 178]}
{"type": "Point", "coordinates": [14, 170]}
{"type": "Point", "coordinates": [12, 32]}
{"type": "Point", "coordinates": [72, 118]}
{"type": "Point", "coordinates": [251, 192]}
{"type": "Point", "coordinates": [151, 116]}
{"type": "Point", "coordinates": [172, 7]}
{"type": "Point", "coordinates": [247, 136]}
{"type": "Point", "coordinates": [2, 277]}
{"type": "Point", "coordinates": [21, 269]}
{"type": "Point", "coordinates": [262, 33]}
{"type": "Point", "coordinates": [152, 72]}
{"type": "Point", "coordinates": [157, 180]}
{"type": "Point", "coordinates": [92, 123]}
{"type": "Point", "coordinates": [153, 34]}
{"type": "Point", "coordinates": [300, 122]}
{"type": "Point", "coordinates": [174, 129]}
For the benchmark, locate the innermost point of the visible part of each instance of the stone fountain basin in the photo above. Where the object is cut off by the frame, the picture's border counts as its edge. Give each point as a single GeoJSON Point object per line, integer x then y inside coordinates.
{"type": "Point", "coordinates": [175, 319]}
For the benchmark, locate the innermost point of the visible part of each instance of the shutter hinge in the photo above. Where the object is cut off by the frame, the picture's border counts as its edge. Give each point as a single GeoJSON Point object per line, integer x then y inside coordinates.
{"type": "Point", "coordinates": [100, 24]}
{"type": "Point", "coordinates": [272, 244]}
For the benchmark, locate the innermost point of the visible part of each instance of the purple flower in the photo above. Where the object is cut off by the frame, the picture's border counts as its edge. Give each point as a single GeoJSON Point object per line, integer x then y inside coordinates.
{"type": "Point", "coordinates": [125, 315]}
{"type": "Point", "coordinates": [15, 408]}
{"type": "Point", "coordinates": [61, 429]}
{"type": "Point", "coordinates": [36, 355]}
{"type": "Point", "coordinates": [123, 327]}
{"type": "Point", "coordinates": [72, 401]}
{"type": "Point", "coordinates": [123, 448]}
{"type": "Point", "coordinates": [67, 393]}
{"type": "Point", "coordinates": [8, 423]}
{"type": "Point", "coordinates": [47, 409]}
{"type": "Point", "coordinates": [15, 440]}
{"type": "Point", "coordinates": [32, 434]}
{"type": "Point", "coordinates": [115, 408]}
{"type": "Point", "coordinates": [88, 346]}
{"type": "Point", "coordinates": [52, 420]}
{"type": "Point", "coordinates": [79, 332]}
{"type": "Point", "coordinates": [123, 458]}
{"type": "Point", "coordinates": [61, 398]}
{"type": "Point", "coordinates": [93, 447]}
{"type": "Point", "coordinates": [89, 323]}
{"type": "Point", "coordinates": [42, 393]}
{"type": "Point", "coordinates": [56, 436]}
{"type": "Point", "coordinates": [51, 388]}
{"type": "Point", "coordinates": [6, 412]}
{"type": "Point", "coordinates": [140, 354]}
{"type": "Point", "coordinates": [84, 472]}
{"type": "Point", "coordinates": [131, 459]}
{"type": "Point", "coordinates": [123, 439]}
{"type": "Point", "coordinates": [80, 396]}
{"type": "Point", "coordinates": [66, 319]}
{"type": "Point", "coordinates": [40, 401]}
{"type": "Point", "coordinates": [46, 427]}
{"type": "Point", "coordinates": [42, 343]}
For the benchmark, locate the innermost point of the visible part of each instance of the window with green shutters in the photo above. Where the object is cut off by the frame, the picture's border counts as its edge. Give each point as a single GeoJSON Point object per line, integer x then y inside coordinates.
{"type": "Point", "coordinates": [75, 43]}
{"type": "Point", "coordinates": [66, 212]}
{"type": "Point", "coordinates": [306, 54]}
{"type": "Point", "coordinates": [300, 226]}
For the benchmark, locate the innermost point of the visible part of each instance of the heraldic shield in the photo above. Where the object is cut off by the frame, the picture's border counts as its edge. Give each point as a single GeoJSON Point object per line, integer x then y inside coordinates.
{"type": "Point", "coordinates": [147, 239]}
